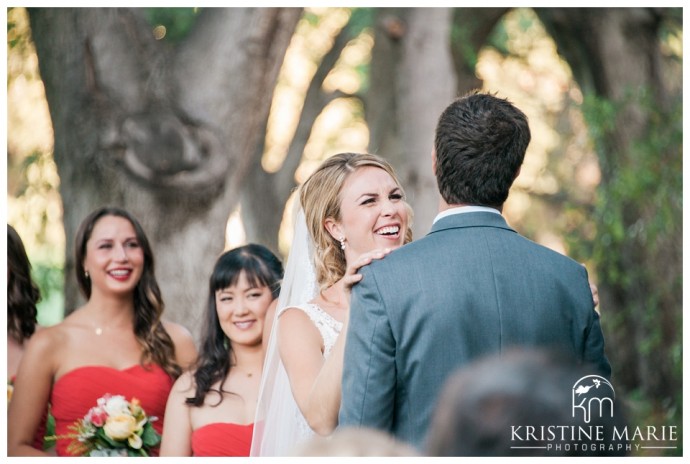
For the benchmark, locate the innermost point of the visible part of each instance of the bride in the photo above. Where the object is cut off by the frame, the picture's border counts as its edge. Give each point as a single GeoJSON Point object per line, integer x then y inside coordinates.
{"type": "Point", "coordinates": [352, 210]}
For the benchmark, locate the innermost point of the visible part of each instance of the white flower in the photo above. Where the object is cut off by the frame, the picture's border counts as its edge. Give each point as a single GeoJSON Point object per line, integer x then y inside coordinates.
{"type": "Point", "coordinates": [116, 406]}
{"type": "Point", "coordinates": [135, 441]}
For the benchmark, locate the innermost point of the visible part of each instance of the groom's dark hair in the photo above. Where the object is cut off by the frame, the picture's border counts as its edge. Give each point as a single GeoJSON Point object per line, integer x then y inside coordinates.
{"type": "Point", "coordinates": [480, 144]}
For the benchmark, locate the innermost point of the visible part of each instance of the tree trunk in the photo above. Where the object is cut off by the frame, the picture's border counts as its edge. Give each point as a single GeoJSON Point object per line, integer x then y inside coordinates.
{"type": "Point", "coordinates": [167, 133]}
{"type": "Point", "coordinates": [471, 30]}
{"type": "Point", "coordinates": [615, 56]}
{"type": "Point", "coordinates": [412, 81]}
{"type": "Point", "coordinates": [265, 194]}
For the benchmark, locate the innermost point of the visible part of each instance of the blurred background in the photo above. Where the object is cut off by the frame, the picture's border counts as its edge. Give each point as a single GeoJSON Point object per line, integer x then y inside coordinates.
{"type": "Point", "coordinates": [202, 121]}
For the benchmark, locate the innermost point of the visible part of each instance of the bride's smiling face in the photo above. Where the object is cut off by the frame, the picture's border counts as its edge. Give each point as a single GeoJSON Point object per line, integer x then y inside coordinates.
{"type": "Point", "coordinates": [373, 212]}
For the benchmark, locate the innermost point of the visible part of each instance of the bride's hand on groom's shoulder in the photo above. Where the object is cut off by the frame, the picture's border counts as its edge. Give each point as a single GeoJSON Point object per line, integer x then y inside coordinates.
{"type": "Point", "coordinates": [594, 289]}
{"type": "Point", "coordinates": [595, 294]}
{"type": "Point", "coordinates": [352, 275]}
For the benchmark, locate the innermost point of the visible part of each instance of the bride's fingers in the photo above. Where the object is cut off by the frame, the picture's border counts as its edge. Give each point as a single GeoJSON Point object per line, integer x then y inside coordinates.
{"type": "Point", "coordinates": [366, 258]}
{"type": "Point", "coordinates": [352, 279]}
{"type": "Point", "coordinates": [352, 276]}
{"type": "Point", "coordinates": [595, 294]}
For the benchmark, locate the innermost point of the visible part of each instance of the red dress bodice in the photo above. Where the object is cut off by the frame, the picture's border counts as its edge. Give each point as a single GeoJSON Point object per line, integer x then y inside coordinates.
{"type": "Point", "coordinates": [78, 390]}
{"type": "Point", "coordinates": [222, 439]}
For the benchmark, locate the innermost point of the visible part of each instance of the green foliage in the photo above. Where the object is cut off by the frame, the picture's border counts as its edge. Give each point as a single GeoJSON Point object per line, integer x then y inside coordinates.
{"type": "Point", "coordinates": [640, 200]}
{"type": "Point", "coordinates": [16, 34]}
{"type": "Point", "coordinates": [12, 37]}
{"type": "Point", "coordinates": [49, 438]}
{"type": "Point", "coordinates": [361, 22]}
{"type": "Point", "coordinates": [150, 437]}
{"type": "Point", "coordinates": [361, 19]}
{"type": "Point", "coordinates": [311, 18]}
{"type": "Point", "coordinates": [19, 45]}
{"type": "Point", "coordinates": [50, 280]}
{"type": "Point", "coordinates": [499, 39]}
{"type": "Point", "coordinates": [177, 21]}
{"type": "Point", "coordinates": [460, 40]}
{"type": "Point", "coordinates": [638, 241]}
{"type": "Point", "coordinates": [640, 410]}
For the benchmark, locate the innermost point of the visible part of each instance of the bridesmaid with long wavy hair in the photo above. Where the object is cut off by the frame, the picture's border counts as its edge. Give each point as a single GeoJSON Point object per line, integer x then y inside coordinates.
{"type": "Point", "coordinates": [115, 343]}
{"type": "Point", "coordinates": [22, 296]}
{"type": "Point", "coordinates": [211, 409]}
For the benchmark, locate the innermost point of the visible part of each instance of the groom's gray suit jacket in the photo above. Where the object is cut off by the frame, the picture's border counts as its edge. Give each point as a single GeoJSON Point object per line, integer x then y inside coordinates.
{"type": "Point", "coordinates": [471, 287]}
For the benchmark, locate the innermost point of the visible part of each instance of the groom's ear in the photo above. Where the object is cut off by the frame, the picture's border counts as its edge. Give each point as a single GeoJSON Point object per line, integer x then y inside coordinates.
{"type": "Point", "coordinates": [333, 228]}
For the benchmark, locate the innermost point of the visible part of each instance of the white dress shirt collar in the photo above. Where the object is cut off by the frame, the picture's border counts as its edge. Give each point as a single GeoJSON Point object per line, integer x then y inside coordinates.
{"type": "Point", "coordinates": [465, 209]}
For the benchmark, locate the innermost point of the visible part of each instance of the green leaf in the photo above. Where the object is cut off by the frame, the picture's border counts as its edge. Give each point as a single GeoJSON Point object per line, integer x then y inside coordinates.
{"type": "Point", "coordinates": [150, 437]}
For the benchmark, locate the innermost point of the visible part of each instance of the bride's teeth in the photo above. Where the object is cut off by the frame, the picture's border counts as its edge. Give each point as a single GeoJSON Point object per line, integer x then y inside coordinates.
{"type": "Point", "coordinates": [389, 230]}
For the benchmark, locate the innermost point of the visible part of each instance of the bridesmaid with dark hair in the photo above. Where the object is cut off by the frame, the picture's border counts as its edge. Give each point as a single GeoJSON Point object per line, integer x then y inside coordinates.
{"type": "Point", "coordinates": [116, 343]}
{"type": "Point", "coordinates": [22, 296]}
{"type": "Point", "coordinates": [211, 409]}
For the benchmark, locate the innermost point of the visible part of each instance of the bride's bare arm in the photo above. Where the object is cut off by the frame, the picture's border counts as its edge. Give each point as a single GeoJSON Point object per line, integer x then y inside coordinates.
{"type": "Point", "coordinates": [315, 382]}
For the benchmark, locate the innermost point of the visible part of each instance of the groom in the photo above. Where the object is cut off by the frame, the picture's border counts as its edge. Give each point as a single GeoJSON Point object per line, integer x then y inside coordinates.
{"type": "Point", "coordinates": [471, 287]}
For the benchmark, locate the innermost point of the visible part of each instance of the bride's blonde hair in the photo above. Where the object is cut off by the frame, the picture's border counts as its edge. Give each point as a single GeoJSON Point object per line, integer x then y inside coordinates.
{"type": "Point", "coordinates": [320, 199]}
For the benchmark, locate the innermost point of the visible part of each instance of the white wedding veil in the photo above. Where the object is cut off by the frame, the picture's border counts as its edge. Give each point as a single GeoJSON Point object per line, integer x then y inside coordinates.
{"type": "Point", "coordinates": [276, 425]}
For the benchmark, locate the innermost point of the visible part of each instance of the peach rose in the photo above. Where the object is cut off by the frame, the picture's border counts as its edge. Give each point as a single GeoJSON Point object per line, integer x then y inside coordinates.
{"type": "Point", "coordinates": [120, 427]}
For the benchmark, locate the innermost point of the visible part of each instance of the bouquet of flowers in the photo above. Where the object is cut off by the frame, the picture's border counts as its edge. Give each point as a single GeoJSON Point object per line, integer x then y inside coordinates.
{"type": "Point", "coordinates": [114, 427]}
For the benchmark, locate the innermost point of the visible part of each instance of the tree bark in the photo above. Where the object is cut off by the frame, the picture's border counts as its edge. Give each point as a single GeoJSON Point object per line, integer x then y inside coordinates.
{"type": "Point", "coordinates": [422, 59]}
{"type": "Point", "coordinates": [265, 194]}
{"type": "Point", "coordinates": [165, 132]}
{"type": "Point", "coordinates": [471, 30]}
{"type": "Point", "coordinates": [412, 81]}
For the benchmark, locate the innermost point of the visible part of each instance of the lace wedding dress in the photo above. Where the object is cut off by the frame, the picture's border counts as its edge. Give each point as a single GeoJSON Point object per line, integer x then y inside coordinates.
{"type": "Point", "coordinates": [279, 425]}
{"type": "Point", "coordinates": [329, 328]}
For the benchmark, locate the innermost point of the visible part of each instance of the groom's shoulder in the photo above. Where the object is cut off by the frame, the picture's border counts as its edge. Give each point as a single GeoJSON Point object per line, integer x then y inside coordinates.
{"type": "Point", "coordinates": [406, 254]}
{"type": "Point", "coordinates": [400, 256]}
{"type": "Point", "coordinates": [536, 252]}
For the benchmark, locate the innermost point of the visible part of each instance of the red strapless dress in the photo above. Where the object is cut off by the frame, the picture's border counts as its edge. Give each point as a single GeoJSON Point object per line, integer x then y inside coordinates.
{"type": "Point", "coordinates": [78, 390]}
{"type": "Point", "coordinates": [222, 439]}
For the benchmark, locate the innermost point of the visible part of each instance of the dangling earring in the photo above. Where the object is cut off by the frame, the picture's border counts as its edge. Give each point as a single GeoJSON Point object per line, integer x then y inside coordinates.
{"type": "Point", "coordinates": [86, 274]}
{"type": "Point", "coordinates": [342, 243]}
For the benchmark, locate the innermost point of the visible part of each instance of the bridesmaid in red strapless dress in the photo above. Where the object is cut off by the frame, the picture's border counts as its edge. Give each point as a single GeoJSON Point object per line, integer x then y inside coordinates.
{"type": "Point", "coordinates": [222, 439]}
{"type": "Point", "coordinates": [211, 409]}
{"type": "Point", "coordinates": [103, 346]}
{"type": "Point", "coordinates": [78, 390]}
